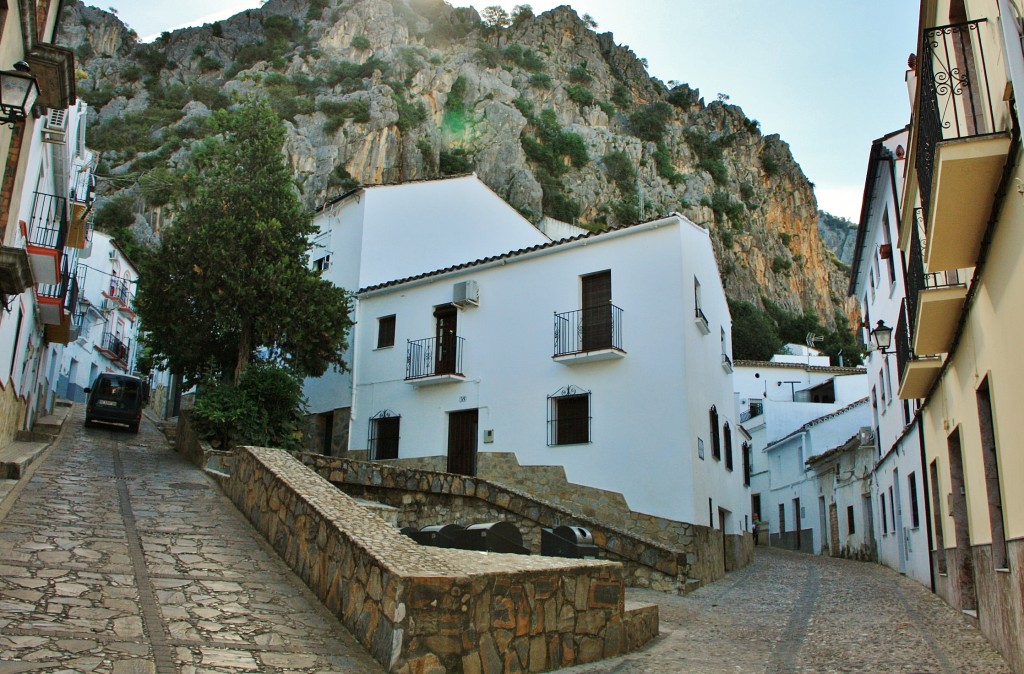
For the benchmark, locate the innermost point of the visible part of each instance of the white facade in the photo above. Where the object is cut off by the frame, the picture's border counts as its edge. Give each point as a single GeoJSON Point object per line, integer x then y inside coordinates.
{"type": "Point", "coordinates": [107, 325]}
{"type": "Point", "coordinates": [647, 391]}
{"type": "Point", "coordinates": [774, 400]}
{"type": "Point", "coordinates": [844, 508]}
{"type": "Point", "coordinates": [379, 233]}
{"type": "Point", "coordinates": [878, 281]}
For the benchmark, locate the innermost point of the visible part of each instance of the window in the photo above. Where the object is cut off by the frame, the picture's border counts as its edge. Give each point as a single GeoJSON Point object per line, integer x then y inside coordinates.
{"type": "Point", "coordinates": [385, 331]}
{"type": "Point", "coordinates": [892, 512]}
{"type": "Point", "coordinates": [782, 518]}
{"type": "Point", "coordinates": [727, 441]}
{"type": "Point", "coordinates": [887, 252]}
{"type": "Point", "coordinates": [915, 518]}
{"type": "Point", "coordinates": [384, 434]}
{"type": "Point", "coordinates": [702, 320]}
{"type": "Point", "coordinates": [700, 448]}
{"type": "Point", "coordinates": [881, 386]}
{"type": "Point", "coordinates": [851, 529]}
{"type": "Point", "coordinates": [745, 448]}
{"type": "Point", "coordinates": [716, 438]}
{"type": "Point", "coordinates": [569, 417]}
{"type": "Point", "coordinates": [323, 263]}
{"type": "Point", "coordinates": [885, 520]}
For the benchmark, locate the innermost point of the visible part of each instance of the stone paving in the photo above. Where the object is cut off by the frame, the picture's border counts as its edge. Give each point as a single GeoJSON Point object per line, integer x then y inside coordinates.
{"type": "Point", "coordinates": [793, 612]}
{"type": "Point", "coordinates": [117, 556]}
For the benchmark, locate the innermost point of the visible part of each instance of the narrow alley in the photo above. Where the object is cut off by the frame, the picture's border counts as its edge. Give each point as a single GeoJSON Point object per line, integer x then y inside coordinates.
{"type": "Point", "coordinates": [117, 556]}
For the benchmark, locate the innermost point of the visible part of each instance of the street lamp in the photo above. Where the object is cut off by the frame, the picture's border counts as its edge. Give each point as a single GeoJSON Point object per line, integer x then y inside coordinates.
{"type": "Point", "coordinates": [882, 335]}
{"type": "Point", "coordinates": [18, 91]}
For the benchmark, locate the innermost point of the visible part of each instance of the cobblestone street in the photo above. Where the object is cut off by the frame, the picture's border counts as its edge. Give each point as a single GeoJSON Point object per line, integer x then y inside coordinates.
{"type": "Point", "coordinates": [118, 556]}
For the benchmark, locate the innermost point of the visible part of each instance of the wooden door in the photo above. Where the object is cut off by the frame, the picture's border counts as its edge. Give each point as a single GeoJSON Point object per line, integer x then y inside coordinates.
{"type": "Point", "coordinates": [597, 311]}
{"type": "Point", "coordinates": [462, 438]}
{"type": "Point", "coordinates": [446, 348]}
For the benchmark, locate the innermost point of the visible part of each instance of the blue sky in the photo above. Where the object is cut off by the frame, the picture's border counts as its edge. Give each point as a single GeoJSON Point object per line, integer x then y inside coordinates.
{"type": "Point", "coordinates": [826, 76]}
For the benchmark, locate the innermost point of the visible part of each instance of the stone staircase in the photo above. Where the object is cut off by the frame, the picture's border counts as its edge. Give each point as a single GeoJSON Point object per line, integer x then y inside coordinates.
{"type": "Point", "coordinates": [16, 457]}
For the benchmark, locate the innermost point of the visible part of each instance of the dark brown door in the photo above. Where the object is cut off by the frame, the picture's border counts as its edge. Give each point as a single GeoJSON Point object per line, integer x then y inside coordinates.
{"type": "Point", "coordinates": [799, 524]}
{"type": "Point", "coordinates": [446, 353]}
{"type": "Point", "coordinates": [964, 578]}
{"type": "Point", "coordinates": [462, 432]}
{"type": "Point", "coordinates": [597, 311]}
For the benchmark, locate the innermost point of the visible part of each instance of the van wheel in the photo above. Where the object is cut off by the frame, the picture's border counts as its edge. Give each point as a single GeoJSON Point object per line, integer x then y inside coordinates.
{"type": "Point", "coordinates": [88, 422]}
{"type": "Point", "coordinates": [134, 428]}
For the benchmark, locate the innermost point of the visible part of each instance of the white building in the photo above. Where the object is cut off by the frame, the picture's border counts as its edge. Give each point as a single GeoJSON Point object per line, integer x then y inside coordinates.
{"type": "Point", "coordinates": [105, 320]}
{"type": "Point", "coordinates": [843, 478]}
{"type": "Point", "coordinates": [375, 234]}
{"type": "Point", "coordinates": [607, 354]}
{"type": "Point", "coordinates": [878, 279]}
{"type": "Point", "coordinates": [774, 401]}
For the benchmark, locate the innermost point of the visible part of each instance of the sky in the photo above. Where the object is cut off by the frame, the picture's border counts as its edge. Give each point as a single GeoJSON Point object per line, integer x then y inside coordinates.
{"type": "Point", "coordinates": [827, 76]}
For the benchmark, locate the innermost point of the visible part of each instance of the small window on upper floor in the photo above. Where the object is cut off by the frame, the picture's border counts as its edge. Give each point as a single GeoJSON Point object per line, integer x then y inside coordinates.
{"type": "Point", "coordinates": [385, 331]}
{"type": "Point", "coordinates": [322, 264]}
{"type": "Point", "coordinates": [701, 319]}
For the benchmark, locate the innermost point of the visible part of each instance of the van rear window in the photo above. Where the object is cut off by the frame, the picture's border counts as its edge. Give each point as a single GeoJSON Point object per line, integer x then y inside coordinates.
{"type": "Point", "coordinates": [119, 389]}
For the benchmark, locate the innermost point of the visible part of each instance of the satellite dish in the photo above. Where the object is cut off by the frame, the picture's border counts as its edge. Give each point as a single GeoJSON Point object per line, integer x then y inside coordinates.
{"type": "Point", "coordinates": [813, 339]}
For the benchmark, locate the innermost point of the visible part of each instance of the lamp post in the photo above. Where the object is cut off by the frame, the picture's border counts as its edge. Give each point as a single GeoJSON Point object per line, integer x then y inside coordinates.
{"type": "Point", "coordinates": [18, 91]}
{"type": "Point", "coordinates": [882, 336]}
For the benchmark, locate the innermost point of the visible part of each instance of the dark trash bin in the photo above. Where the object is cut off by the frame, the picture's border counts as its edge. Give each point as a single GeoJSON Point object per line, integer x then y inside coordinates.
{"type": "Point", "coordinates": [493, 537]}
{"type": "Point", "coordinates": [566, 541]}
{"type": "Point", "coordinates": [439, 535]}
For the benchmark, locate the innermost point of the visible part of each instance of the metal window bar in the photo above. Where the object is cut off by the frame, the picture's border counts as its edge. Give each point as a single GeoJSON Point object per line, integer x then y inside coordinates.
{"type": "Point", "coordinates": [83, 184]}
{"type": "Point", "coordinates": [903, 353]}
{"type": "Point", "coordinates": [588, 329]}
{"type": "Point", "coordinates": [755, 408]}
{"type": "Point", "coordinates": [385, 429]}
{"type": "Point", "coordinates": [569, 420]}
{"type": "Point", "coordinates": [49, 223]}
{"type": "Point", "coordinates": [431, 357]}
{"type": "Point", "coordinates": [120, 347]}
{"type": "Point", "coordinates": [701, 317]}
{"type": "Point", "coordinates": [58, 290]}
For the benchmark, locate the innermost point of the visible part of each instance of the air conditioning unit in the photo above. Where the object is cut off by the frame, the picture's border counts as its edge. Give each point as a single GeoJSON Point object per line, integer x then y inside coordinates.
{"type": "Point", "coordinates": [109, 304]}
{"type": "Point", "coordinates": [55, 127]}
{"type": "Point", "coordinates": [466, 293]}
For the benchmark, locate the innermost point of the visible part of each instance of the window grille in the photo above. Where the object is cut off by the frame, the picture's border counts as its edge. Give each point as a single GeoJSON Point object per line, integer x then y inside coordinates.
{"type": "Point", "coordinates": [569, 416]}
{"type": "Point", "coordinates": [384, 435]}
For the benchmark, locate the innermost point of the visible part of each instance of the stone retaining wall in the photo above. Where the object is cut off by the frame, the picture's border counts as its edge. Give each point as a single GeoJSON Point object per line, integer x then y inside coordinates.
{"type": "Point", "coordinates": [695, 559]}
{"type": "Point", "coordinates": [421, 609]}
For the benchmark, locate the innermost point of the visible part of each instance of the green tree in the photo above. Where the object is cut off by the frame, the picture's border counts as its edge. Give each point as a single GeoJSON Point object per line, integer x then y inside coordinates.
{"type": "Point", "coordinates": [231, 277]}
{"type": "Point", "coordinates": [495, 17]}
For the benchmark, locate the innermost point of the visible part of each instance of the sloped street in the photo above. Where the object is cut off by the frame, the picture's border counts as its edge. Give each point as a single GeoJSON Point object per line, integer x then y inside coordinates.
{"type": "Point", "coordinates": [117, 556]}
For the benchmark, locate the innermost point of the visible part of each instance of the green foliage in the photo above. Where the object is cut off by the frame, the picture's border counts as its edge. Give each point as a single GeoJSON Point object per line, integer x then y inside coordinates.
{"type": "Point", "coordinates": [150, 59]}
{"type": "Point", "coordinates": [360, 42]}
{"type": "Point", "coordinates": [236, 260]}
{"type": "Point", "coordinates": [683, 96]}
{"type": "Point", "coordinates": [709, 151]}
{"type": "Point", "coordinates": [316, 9]}
{"type": "Point", "coordinates": [342, 179]}
{"type": "Point", "coordinates": [620, 171]}
{"type": "Point", "coordinates": [134, 132]}
{"type": "Point", "coordinates": [208, 64]}
{"type": "Point", "coordinates": [579, 75]}
{"type": "Point", "coordinates": [558, 205]}
{"type": "Point", "coordinates": [97, 98]}
{"type": "Point", "coordinates": [487, 54]}
{"type": "Point", "coordinates": [349, 76]}
{"type": "Point", "coordinates": [580, 95]}
{"type": "Point", "coordinates": [553, 145]}
{"type": "Point", "coordinates": [527, 59]}
{"type": "Point", "coordinates": [338, 112]}
{"type": "Point", "coordinates": [453, 162]}
{"type": "Point", "coordinates": [526, 106]}
{"type": "Point", "coordinates": [456, 101]}
{"type": "Point", "coordinates": [663, 162]}
{"type": "Point", "coordinates": [651, 122]}
{"type": "Point", "coordinates": [723, 204]}
{"type": "Point", "coordinates": [521, 14]}
{"type": "Point", "coordinates": [495, 17]}
{"type": "Point", "coordinates": [627, 211]}
{"type": "Point", "coordinates": [755, 334]}
{"type": "Point", "coordinates": [622, 97]}
{"type": "Point", "coordinates": [84, 51]}
{"type": "Point", "coordinates": [209, 95]}
{"type": "Point", "coordinates": [248, 55]}
{"type": "Point", "coordinates": [607, 107]}
{"type": "Point", "coordinates": [265, 409]}
{"type": "Point", "coordinates": [781, 263]}
{"type": "Point", "coordinates": [161, 186]}
{"type": "Point", "coordinates": [540, 80]}
{"type": "Point", "coordinates": [116, 213]}
{"type": "Point", "coordinates": [726, 236]}
{"type": "Point", "coordinates": [284, 97]}
{"type": "Point", "coordinates": [410, 115]}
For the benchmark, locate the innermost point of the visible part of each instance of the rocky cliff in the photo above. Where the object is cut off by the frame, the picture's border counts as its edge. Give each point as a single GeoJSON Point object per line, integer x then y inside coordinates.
{"type": "Point", "coordinates": [557, 119]}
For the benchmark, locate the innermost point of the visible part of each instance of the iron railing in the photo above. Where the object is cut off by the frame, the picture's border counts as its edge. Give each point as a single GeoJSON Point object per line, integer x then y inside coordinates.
{"type": "Point", "coordinates": [59, 290]}
{"type": "Point", "coordinates": [119, 290]}
{"type": "Point", "coordinates": [903, 353]}
{"type": "Point", "coordinates": [119, 347]}
{"type": "Point", "coordinates": [918, 280]}
{"type": "Point", "coordinates": [49, 224]}
{"type": "Point", "coordinates": [755, 408]}
{"type": "Point", "coordinates": [83, 183]}
{"type": "Point", "coordinates": [589, 329]}
{"type": "Point", "coordinates": [434, 356]}
{"type": "Point", "coordinates": [702, 318]}
{"type": "Point", "coordinates": [956, 96]}
{"type": "Point", "coordinates": [727, 362]}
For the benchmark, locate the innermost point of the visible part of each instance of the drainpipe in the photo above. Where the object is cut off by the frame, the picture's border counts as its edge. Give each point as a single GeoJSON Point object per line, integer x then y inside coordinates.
{"type": "Point", "coordinates": [927, 495]}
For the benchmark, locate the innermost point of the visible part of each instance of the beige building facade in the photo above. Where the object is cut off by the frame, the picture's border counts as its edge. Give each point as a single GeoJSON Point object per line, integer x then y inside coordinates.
{"type": "Point", "coordinates": [958, 336]}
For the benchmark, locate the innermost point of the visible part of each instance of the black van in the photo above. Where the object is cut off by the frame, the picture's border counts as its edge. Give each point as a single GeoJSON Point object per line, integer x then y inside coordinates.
{"type": "Point", "coordinates": [116, 398]}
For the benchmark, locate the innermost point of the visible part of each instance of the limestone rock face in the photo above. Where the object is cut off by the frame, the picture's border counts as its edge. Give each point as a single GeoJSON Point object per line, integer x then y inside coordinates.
{"type": "Point", "coordinates": [544, 111]}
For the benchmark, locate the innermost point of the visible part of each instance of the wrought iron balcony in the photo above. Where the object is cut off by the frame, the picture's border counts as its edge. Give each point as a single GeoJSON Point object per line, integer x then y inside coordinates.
{"type": "Point", "coordinates": [52, 297]}
{"type": "Point", "coordinates": [963, 138]}
{"type": "Point", "coordinates": [45, 236]}
{"type": "Point", "coordinates": [702, 321]}
{"type": "Point", "coordinates": [755, 408]}
{"type": "Point", "coordinates": [116, 348]}
{"type": "Point", "coordinates": [434, 360]}
{"type": "Point", "coordinates": [120, 291]}
{"type": "Point", "coordinates": [592, 333]}
{"type": "Point", "coordinates": [934, 300]}
{"type": "Point", "coordinates": [81, 196]}
{"type": "Point", "coordinates": [726, 362]}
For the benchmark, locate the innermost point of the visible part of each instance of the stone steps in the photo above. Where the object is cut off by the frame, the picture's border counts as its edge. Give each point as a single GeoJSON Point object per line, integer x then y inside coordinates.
{"type": "Point", "coordinates": [641, 622]}
{"type": "Point", "coordinates": [16, 457]}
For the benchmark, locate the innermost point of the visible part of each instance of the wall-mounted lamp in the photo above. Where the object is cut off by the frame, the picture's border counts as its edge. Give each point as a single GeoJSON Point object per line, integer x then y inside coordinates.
{"type": "Point", "coordinates": [882, 336]}
{"type": "Point", "coordinates": [18, 91]}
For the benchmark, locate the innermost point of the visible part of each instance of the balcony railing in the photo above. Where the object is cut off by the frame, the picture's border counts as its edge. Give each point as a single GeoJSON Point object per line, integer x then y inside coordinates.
{"type": "Point", "coordinates": [49, 225]}
{"type": "Point", "coordinates": [956, 95]}
{"type": "Point", "coordinates": [903, 352]}
{"type": "Point", "coordinates": [434, 357]}
{"type": "Point", "coordinates": [589, 329]}
{"type": "Point", "coordinates": [59, 290]}
{"type": "Point", "coordinates": [117, 347]}
{"type": "Point", "coordinates": [119, 290]}
{"type": "Point", "coordinates": [755, 408]}
{"type": "Point", "coordinates": [83, 183]}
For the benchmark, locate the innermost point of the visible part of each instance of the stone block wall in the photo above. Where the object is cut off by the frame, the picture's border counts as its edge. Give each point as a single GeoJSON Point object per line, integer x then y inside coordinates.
{"type": "Point", "coordinates": [12, 414]}
{"type": "Point", "coordinates": [695, 559]}
{"type": "Point", "coordinates": [420, 609]}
